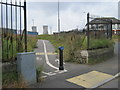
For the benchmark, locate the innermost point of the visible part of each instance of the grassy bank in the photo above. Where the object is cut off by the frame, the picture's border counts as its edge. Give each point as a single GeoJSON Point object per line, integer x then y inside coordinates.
{"type": "Point", "coordinates": [17, 47]}
{"type": "Point", "coordinates": [74, 42]}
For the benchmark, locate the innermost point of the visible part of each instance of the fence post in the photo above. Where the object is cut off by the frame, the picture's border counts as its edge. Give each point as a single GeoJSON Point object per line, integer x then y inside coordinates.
{"type": "Point", "coordinates": [111, 29]}
{"type": "Point", "coordinates": [25, 25]}
{"type": "Point", "coordinates": [88, 31]}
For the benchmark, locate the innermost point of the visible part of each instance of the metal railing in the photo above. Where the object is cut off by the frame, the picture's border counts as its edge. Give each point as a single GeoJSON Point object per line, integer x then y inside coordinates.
{"type": "Point", "coordinates": [14, 38]}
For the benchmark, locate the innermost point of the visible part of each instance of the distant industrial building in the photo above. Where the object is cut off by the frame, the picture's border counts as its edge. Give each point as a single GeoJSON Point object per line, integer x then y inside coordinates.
{"type": "Point", "coordinates": [34, 28]}
{"type": "Point", "coordinates": [119, 10]}
{"type": "Point", "coordinates": [32, 33]}
{"type": "Point", "coordinates": [16, 31]}
{"type": "Point", "coordinates": [45, 29]}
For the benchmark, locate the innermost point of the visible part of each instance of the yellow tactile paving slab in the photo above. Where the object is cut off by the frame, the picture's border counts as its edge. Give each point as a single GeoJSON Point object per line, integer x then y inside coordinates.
{"type": "Point", "coordinates": [49, 53]}
{"type": "Point", "coordinates": [90, 79]}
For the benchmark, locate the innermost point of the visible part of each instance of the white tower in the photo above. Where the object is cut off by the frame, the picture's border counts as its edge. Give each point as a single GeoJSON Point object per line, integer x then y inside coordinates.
{"type": "Point", "coordinates": [34, 28]}
{"type": "Point", "coordinates": [45, 29]}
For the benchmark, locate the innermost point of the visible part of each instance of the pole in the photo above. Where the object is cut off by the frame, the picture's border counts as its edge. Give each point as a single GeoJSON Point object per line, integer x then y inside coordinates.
{"type": "Point", "coordinates": [58, 19]}
{"type": "Point", "coordinates": [2, 31]}
{"type": "Point", "coordinates": [88, 31]}
{"type": "Point", "coordinates": [6, 30]}
{"type": "Point", "coordinates": [16, 25]}
{"type": "Point", "coordinates": [25, 25]}
{"type": "Point", "coordinates": [111, 29]}
{"type": "Point", "coordinates": [11, 29]}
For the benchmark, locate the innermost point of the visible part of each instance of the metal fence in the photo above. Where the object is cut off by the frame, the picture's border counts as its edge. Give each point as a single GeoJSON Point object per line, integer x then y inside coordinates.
{"type": "Point", "coordinates": [98, 28]}
{"type": "Point", "coordinates": [14, 38]}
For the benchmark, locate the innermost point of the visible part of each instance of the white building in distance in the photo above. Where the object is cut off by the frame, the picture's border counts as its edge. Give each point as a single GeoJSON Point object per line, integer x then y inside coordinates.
{"type": "Point", "coordinates": [34, 28]}
{"type": "Point", "coordinates": [45, 29]}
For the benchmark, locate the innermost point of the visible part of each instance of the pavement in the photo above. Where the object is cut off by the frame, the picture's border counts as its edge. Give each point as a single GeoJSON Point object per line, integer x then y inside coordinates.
{"type": "Point", "coordinates": [53, 78]}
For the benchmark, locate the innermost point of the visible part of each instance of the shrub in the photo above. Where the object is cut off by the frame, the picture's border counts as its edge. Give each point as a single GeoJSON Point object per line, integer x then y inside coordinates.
{"type": "Point", "coordinates": [39, 73]}
{"type": "Point", "coordinates": [73, 42]}
{"type": "Point", "coordinates": [31, 44]}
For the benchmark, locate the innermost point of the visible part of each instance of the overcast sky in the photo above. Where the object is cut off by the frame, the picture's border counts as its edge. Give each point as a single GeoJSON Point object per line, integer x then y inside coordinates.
{"type": "Point", "coordinates": [72, 14]}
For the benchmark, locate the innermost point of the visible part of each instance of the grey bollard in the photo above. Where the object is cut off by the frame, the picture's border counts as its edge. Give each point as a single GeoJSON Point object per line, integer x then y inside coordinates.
{"type": "Point", "coordinates": [26, 66]}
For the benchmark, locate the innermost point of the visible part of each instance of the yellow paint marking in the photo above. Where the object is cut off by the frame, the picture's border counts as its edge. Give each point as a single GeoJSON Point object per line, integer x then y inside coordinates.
{"type": "Point", "coordinates": [40, 53]}
{"type": "Point", "coordinates": [90, 79]}
{"type": "Point", "coordinates": [49, 53]}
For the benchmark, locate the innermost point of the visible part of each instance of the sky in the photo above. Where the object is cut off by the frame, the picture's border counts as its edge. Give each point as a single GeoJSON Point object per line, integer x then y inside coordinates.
{"type": "Point", "coordinates": [72, 14]}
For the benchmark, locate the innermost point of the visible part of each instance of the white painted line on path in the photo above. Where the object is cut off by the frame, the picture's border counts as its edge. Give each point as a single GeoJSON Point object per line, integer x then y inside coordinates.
{"type": "Point", "coordinates": [43, 76]}
{"type": "Point", "coordinates": [46, 57]}
{"type": "Point", "coordinates": [49, 74]}
{"type": "Point", "coordinates": [62, 71]}
{"type": "Point", "coordinates": [38, 58]}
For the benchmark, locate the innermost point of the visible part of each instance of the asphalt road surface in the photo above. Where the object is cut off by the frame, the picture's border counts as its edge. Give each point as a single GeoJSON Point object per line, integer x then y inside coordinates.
{"type": "Point", "coordinates": [48, 59]}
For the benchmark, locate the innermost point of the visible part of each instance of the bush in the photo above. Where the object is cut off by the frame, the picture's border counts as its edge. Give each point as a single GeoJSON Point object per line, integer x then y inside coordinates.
{"type": "Point", "coordinates": [39, 73]}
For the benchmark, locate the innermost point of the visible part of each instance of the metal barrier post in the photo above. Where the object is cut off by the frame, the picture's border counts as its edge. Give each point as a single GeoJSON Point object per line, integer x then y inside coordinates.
{"type": "Point", "coordinates": [61, 58]}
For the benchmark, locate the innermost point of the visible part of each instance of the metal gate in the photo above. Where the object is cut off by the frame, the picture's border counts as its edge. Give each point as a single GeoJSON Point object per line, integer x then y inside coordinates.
{"type": "Point", "coordinates": [13, 28]}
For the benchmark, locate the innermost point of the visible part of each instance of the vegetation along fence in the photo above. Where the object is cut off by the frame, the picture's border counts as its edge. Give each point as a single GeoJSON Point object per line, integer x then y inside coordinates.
{"type": "Point", "coordinates": [98, 31]}
{"type": "Point", "coordinates": [14, 28]}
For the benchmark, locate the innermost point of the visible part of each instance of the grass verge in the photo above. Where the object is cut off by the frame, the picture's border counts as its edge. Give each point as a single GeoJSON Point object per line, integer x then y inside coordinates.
{"type": "Point", "coordinates": [74, 42]}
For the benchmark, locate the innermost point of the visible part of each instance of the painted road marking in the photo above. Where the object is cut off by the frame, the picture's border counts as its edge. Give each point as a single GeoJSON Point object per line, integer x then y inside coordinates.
{"type": "Point", "coordinates": [49, 73]}
{"type": "Point", "coordinates": [46, 57]}
{"type": "Point", "coordinates": [43, 76]}
{"type": "Point", "coordinates": [90, 79]}
{"type": "Point", "coordinates": [40, 53]}
{"type": "Point", "coordinates": [38, 58]}
{"type": "Point", "coordinates": [48, 53]}
{"type": "Point", "coordinates": [62, 71]}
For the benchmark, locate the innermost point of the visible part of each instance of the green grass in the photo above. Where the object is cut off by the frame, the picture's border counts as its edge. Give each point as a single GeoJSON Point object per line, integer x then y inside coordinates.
{"type": "Point", "coordinates": [39, 73]}
{"type": "Point", "coordinates": [11, 80]}
{"type": "Point", "coordinates": [116, 38]}
{"type": "Point", "coordinates": [70, 43]}
{"type": "Point", "coordinates": [9, 77]}
{"type": "Point", "coordinates": [31, 44]}
{"type": "Point", "coordinates": [73, 42]}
